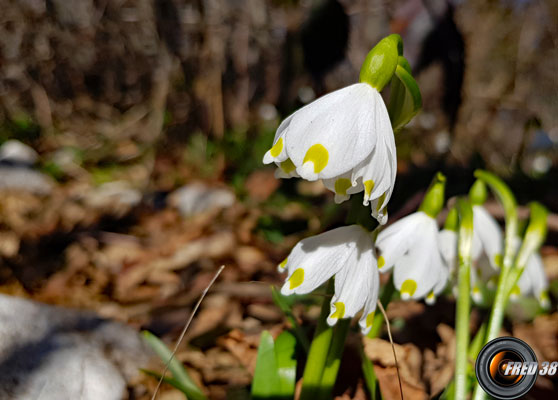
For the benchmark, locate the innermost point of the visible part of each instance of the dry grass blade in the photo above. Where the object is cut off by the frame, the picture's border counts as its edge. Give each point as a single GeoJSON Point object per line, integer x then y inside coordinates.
{"type": "Point", "coordinates": [181, 337]}
{"type": "Point", "coordinates": [381, 307]}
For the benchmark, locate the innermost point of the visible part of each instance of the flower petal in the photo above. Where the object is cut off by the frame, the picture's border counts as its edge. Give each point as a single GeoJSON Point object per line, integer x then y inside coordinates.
{"type": "Point", "coordinates": [331, 135]}
{"type": "Point", "coordinates": [353, 284]}
{"type": "Point", "coordinates": [367, 317]}
{"type": "Point", "coordinates": [537, 275]}
{"type": "Point", "coordinates": [421, 268]}
{"type": "Point", "coordinates": [396, 239]}
{"type": "Point", "coordinates": [278, 151]}
{"type": "Point", "coordinates": [316, 259]}
{"type": "Point", "coordinates": [488, 235]}
{"type": "Point", "coordinates": [447, 241]}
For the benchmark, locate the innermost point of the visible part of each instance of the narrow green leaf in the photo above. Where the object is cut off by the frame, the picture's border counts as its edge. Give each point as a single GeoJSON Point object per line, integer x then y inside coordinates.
{"type": "Point", "coordinates": [167, 379]}
{"type": "Point", "coordinates": [266, 383]}
{"type": "Point", "coordinates": [369, 376]}
{"type": "Point", "coordinates": [192, 391]}
{"type": "Point", "coordinates": [279, 300]}
{"type": "Point", "coordinates": [285, 348]}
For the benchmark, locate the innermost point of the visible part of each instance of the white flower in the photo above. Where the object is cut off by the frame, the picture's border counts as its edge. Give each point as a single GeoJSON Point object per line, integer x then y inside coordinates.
{"type": "Point", "coordinates": [447, 240]}
{"type": "Point", "coordinates": [486, 252]}
{"type": "Point", "coordinates": [411, 247]}
{"type": "Point", "coordinates": [344, 138]}
{"type": "Point", "coordinates": [533, 281]}
{"type": "Point", "coordinates": [487, 237]}
{"type": "Point", "coordinates": [346, 253]}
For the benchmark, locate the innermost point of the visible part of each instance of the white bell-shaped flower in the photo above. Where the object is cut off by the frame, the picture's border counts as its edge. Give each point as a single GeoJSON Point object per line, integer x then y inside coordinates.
{"type": "Point", "coordinates": [487, 237]}
{"type": "Point", "coordinates": [447, 240]}
{"type": "Point", "coordinates": [344, 138]}
{"type": "Point", "coordinates": [411, 247]}
{"type": "Point", "coordinates": [486, 252]}
{"type": "Point", "coordinates": [346, 253]}
{"type": "Point", "coordinates": [533, 281]}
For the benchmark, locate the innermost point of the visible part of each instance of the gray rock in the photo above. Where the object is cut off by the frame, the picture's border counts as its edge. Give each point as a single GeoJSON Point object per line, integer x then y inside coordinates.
{"type": "Point", "coordinates": [53, 353]}
{"type": "Point", "coordinates": [197, 198]}
{"type": "Point", "coordinates": [117, 196]}
{"type": "Point", "coordinates": [14, 177]}
{"type": "Point", "coordinates": [14, 151]}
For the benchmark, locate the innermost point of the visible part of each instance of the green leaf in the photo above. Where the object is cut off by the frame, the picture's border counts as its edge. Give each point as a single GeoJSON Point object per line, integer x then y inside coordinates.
{"type": "Point", "coordinates": [280, 301]}
{"type": "Point", "coordinates": [285, 348]}
{"type": "Point", "coordinates": [167, 379]}
{"type": "Point", "coordinates": [369, 376]}
{"type": "Point", "coordinates": [190, 389]}
{"type": "Point", "coordinates": [405, 99]}
{"type": "Point", "coordinates": [266, 383]}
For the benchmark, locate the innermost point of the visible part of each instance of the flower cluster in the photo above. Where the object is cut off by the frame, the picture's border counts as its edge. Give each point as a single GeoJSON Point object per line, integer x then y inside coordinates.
{"type": "Point", "coordinates": [346, 139]}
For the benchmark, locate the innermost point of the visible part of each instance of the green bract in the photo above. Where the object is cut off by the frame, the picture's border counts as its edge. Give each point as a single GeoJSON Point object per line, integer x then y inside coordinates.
{"type": "Point", "coordinates": [478, 193]}
{"type": "Point", "coordinates": [535, 234]}
{"type": "Point", "coordinates": [433, 201]}
{"type": "Point", "coordinates": [405, 100]}
{"type": "Point", "coordinates": [381, 62]}
{"type": "Point", "coordinates": [452, 220]}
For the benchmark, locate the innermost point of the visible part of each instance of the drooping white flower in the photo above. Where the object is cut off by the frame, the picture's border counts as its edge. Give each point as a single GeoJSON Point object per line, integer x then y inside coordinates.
{"type": "Point", "coordinates": [447, 240]}
{"type": "Point", "coordinates": [488, 246]}
{"type": "Point", "coordinates": [487, 237]}
{"type": "Point", "coordinates": [344, 138]}
{"type": "Point", "coordinates": [346, 253]}
{"type": "Point", "coordinates": [411, 247]}
{"type": "Point", "coordinates": [533, 281]}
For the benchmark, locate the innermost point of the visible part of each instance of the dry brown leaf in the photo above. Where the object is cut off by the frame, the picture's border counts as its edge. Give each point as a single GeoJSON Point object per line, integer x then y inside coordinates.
{"type": "Point", "coordinates": [261, 184]}
{"type": "Point", "coordinates": [389, 385]}
{"type": "Point", "coordinates": [439, 366]}
{"type": "Point", "coordinates": [409, 358]}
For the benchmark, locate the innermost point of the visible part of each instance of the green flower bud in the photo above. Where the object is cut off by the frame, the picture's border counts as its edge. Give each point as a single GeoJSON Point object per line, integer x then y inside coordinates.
{"type": "Point", "coordinates": [381, 62]}
{"type": "Point", "coordinates": [433, 201]}
{"type": "Point", "coordinates": [478, 193]}
{"type": "Point", "coordinates": [452, 220]}
{"type": "Point", "coordinates": [535, 233]}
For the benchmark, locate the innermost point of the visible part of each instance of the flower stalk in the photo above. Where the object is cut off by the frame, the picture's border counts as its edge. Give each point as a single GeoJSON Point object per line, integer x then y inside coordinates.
{"type": "Point", "coordinates": [319, 350]}
{"type": "Point", "coordinates": [465, 245]}
{"type": "Point", "coordinates": [507, 199]}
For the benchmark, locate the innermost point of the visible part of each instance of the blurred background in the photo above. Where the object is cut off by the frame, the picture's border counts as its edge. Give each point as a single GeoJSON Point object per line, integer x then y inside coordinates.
{"type": "Point", "coordinates": [131, 140]}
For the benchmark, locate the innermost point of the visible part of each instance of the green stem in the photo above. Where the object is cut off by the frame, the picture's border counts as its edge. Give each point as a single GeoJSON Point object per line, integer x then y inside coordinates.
{"type": "Point", "coordinates": [319, 349]}
{"type": "Point", "coordinates": [387, 293]}
{"type": "Point", "coordinates": [464, 298]}
{"type": "Point", "coordinates": [333, 361]}
{"type": "Point", "coordinates": [506, 197]}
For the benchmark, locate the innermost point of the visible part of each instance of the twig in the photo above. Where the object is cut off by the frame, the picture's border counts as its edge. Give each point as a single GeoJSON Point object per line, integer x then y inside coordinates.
{"type": "Point", "coordinates": [381, 307]}
{"type": "Point", "coordinates": [185, 329]}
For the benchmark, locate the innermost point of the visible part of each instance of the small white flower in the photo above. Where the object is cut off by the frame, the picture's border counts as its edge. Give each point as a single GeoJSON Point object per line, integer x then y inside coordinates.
{"type": "Point", "coordinates": [344, 138]}
{"type": "Point", "coordinates": [346, 253]}
{"type": "Point", "coordinates": [486, 252]}
{"type": "Point", "coordinates": [411, 247]}
{"type": "Point", "coordinates": [447, 240]}
{"type": "Point", "coordinates": [487, 237]}
{"type": "Point", "coordinates": [533, 281]}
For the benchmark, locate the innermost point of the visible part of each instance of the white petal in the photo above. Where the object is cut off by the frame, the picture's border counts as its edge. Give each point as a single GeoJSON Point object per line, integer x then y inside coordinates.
{"type": "Point", "coordinates": [537, 275]}
{"type": "Point", "coordinates": [447, 241]}
{"type": "Point", "coordinates": [353, 284]}
{"type": "Point", "coordinates": [341, 186]}
{"type": "Point", "coordinates": [396, 239]}
{"type": "Point", "coordinates": [278, 151]}
{"type": "Point", "coordinates": [488, 235]}
{"type": "Point", "coordinates": [421, 268]}
{"type": "Point", "coordinates": [316, 259]}
{"type": "Point", "coordinates": [367, 318]}
{"type": "Point", "coordinates": [345, 123]}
